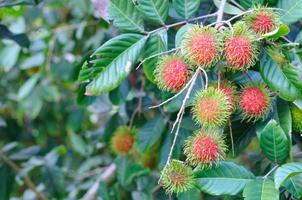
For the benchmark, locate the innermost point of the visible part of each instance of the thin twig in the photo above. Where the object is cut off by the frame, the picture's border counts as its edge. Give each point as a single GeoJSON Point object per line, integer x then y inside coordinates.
{"type": "Point", "coordinates": [220, 12]}
{"type": "Point", "coordinates": [156, 55]}
{"type": "Point", "coordinates": [179, 117]}
{"type": "Point", "coordinates": [232, 139]}
{"type": "Point", "coordinates": [138, 109]}
{"type": "Point", "coordinates": [90, 195]}
{"type": "Point", "coordinates": [271, 171]}
{"type": "Point", "coordinates": [27, 180]}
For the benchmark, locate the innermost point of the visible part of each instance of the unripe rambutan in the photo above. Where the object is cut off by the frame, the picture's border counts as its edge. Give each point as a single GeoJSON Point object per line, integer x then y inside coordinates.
{"type": "Point", "coordinates": [171, 73]}
{"type": "Point", "coordinates": [229, 90]}
{"type": "Point", "coordinates": [296, 119]}
{"type": "Point", "coordinates": [211, 108]}
{"type": "Point", "coordinates": [205, 148]}
{"type": "Point", "coordinates": [177, 177]}
{"type": "Point", "coordinates": [255, 102]}
{"type": "Point", "coordinates": [262, 20]}
{"type": "Point", "coordinates": [202, 45]}
{"type": "Point", "coordinates": [240, 48]}
{"type": "Point", "coordinates": [122, 140]}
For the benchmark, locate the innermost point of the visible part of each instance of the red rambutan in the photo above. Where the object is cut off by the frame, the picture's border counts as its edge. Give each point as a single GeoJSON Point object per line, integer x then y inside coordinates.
{"type": "Point", "coordinates": [211, 108]}
{"type": "Point", "coordinates": [177, 177]}
{"type": "Point", "coordinates": [262, 21]}
{"type": "Point", "coordinates": [171, 73]}
{"type": "Point", "coordinates": [240, 49]}
{"type": "Point", "coordinates": [255, 102]}
{"type": "Point", "coordinates": [122, 140]}
{"type": "Point", "coordinates": [229, 90]}
{"type": "Point", "coordinates": [205, 147]}
{"type": "Point", "coordinates": [202, 45]}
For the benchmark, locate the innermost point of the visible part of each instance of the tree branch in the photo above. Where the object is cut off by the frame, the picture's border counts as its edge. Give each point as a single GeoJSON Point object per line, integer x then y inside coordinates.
{"type": "Point", "coordinates": [27, 180]}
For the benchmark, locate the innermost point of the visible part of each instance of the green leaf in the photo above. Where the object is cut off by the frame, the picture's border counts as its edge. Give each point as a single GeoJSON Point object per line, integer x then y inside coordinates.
{"type": "Point", "coordinates": [286, 171]}
{"type": "Point", "coordinates": [20, 39]}
{"type": "Point", "coordinates": [157, 43]}
{"type": "Point", "coordinates": [78, 144]}
{"type": "Point", "coordinates": [190, 194]}
{"type": "Point", "coordinates": [125, 15]}
{"type": "Point", "coordinates": [294, 185]}
{"type": "Point", "coordinates": [227, 178]}
{"type": "Point", "coordinates": [298, 103]}
{"type": "Point", "coordinates": [180, 33]}
{"type": "Point", "coordinates": [284, 116]}
{"type": "Point", "coordinates": [277, 79]}
{"type": "Point", "coordinates": [186, 8]}
{"type": "Point", "coordinates": [28, 86]}
{"type": "Point", "coordinates": [127, 170]}
{"type": "Point", "coordinates": [228, 8]}
{"type": "Point", "coordinates": [155, 10]}
{"type": "Point", "coordinates": [274, 142]}
{"type": "Point", "coordinates": [292, 10]}
{"type": "Point", "coordinates": [119, 95]}
{"type": "Point", "coordinates": [282, 30]}
{"type": "Point", "coordinates": [250, 3]}
{"type": "Point", "coordinates": [111, 63]}
{"type": "Point", "coordinates": [260, 190]}
{"type": "Point", "coordinates": [149, 134]}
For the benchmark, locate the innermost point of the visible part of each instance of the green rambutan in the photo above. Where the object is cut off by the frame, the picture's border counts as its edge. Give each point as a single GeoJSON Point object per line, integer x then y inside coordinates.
{"type": "Point", "coordinates": [229, 89]}
{"type": "Point", "coordinates": [202, 46]}
{"type": "Point", "coordinates": [255, 102]}
{"type": "Point", "coordinates": [123, 140]}
{"type": "Point", "coordinates": [211, 108]}
{"type": "Point", "coordinates": [177, 177]}
{"type": "Point", "coordinates": [262, 20]}
{"type": "Point", "coordinates": [296, 119]}
{"type": "Point", "coordinates": [240, 47]}
{"type": "Point", "coordinates": [205, 148]}
{"type": "Point", "coordinates": [171, 73]}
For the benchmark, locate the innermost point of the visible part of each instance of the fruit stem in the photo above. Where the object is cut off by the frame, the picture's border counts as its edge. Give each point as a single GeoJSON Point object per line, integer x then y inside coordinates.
{"type": "Point", "coordinates": [179, 117]}
{"type": "Point", "coordinates": [220, 12]}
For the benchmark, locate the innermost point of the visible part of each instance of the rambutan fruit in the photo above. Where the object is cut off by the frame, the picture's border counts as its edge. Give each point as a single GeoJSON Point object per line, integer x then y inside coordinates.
{"type": "Point", "coordinates": [262, 20]}
{"type": "Point", "coordinates": [229, 90]}
{"type": "Point", "coordinates": [205, 148]}
{"type": "Point", "coordinates": [255, 102]}
{"type": "Point", "coordinates": [171, 73]}
{"type": "Point", "coordinates": [122, 140]}
{"type": "Point", "coordinates": [211, 108]}
{"type": "Point", "coordinates": [202, 46]}
{"type": "Point", "coordinates": [177, 177]}
{"type": "Point", "coordinates": [296, 119]}
{"type": "Point", "coordinates": [240, 47]}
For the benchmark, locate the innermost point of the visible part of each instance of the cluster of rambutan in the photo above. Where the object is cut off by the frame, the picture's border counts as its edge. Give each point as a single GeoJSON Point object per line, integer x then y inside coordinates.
{"type": "Point", "coordinates": [235, 48]}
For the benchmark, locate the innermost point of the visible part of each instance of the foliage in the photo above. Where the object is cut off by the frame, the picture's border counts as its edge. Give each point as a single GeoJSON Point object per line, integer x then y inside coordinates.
{"type": "Point", "coordinates": [70, 78]}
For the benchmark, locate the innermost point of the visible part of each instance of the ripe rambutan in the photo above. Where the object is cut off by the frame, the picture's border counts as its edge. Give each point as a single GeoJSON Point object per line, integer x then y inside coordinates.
{"type": "Point", "coordinates": [177, 177]}
{"type": "Point", "coordinates": [255, 102]}
{"type": "Point", "coordinates": [262, 20]}
{"type": "Point", "coordinates": [296, 119]}
{"type": "Point", "coordinates": [171, 73]}
{"type": "Point", "coordinates": [122, 140]}
{"type": "Point", "coordinates": [205, 148]}
{"type": "Point", "coordinates": [202, 45]}
{"type": "Point", "coordinates": [240, 48]}
{"type": "Point", "coordinates": [229, 90]}
{"type": "Point", "coordinates": [211, 108]}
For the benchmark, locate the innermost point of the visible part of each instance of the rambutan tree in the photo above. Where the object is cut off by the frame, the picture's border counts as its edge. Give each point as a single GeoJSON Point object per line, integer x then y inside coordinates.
{"type": "Point", "coordinates": [208, 85]}
{"type": "Point", "coordinates": [162, 99]}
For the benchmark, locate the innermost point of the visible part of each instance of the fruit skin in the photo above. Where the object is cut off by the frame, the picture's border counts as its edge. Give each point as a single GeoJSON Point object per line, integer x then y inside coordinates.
{"type": "Point", "coordinates": [262, 20]}
{"type": "Point", "coordinates": [255, 102]}
{"type": "Point", "coordinates": [229, 89]}
{"type": "Point", "coordinates": [202, 46]}
{"type": "Point", "coordinates": [211, 108]}
{"type": "Point", "coordinates": [205, 148]}
{"type": "Point", "coordinates": [177, 177]}
{"type": "Point", "coordinates": [123, 140]}
{"type": "Point", "coordinates": [171, 73]}
{"type": "Point", "coordinates": [240, 47]}
{"type": "Point", "coordinates": [297, 119]}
